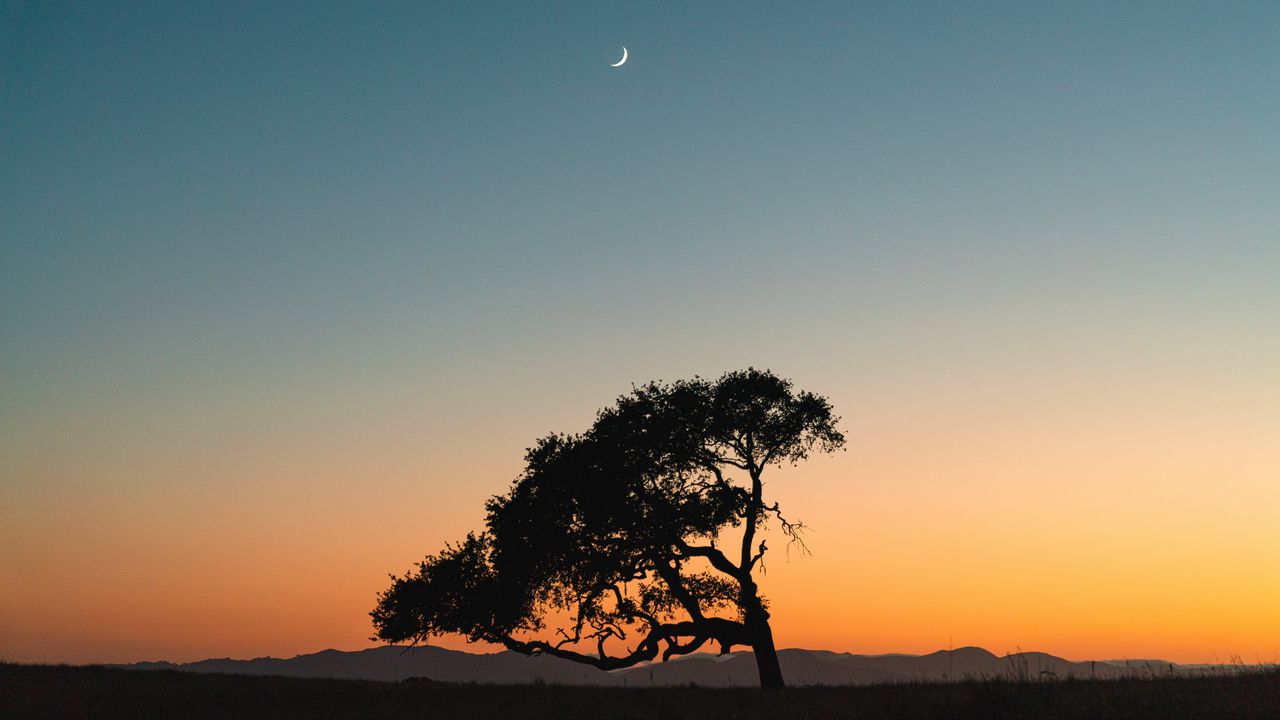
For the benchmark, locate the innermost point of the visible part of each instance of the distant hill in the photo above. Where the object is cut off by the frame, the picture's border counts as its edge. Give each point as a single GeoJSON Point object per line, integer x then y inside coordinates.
{"type": "Point", "coordinates": [800, 667]}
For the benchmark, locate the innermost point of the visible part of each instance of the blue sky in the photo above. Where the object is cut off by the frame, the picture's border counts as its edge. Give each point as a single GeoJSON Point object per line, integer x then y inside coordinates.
{"type": "Point", "coordinates": [238, 173]}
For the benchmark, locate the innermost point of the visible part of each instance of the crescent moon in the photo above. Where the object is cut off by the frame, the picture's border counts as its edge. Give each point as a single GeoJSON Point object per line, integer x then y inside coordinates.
{"type": "Point", "coordinates": [623, 60]}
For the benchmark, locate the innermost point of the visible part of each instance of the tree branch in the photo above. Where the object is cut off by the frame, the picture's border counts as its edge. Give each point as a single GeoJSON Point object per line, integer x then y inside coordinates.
{"type": "Point", "coordinates": [754, 505]}
{"type": "Point", "coordinates": [758, 556]}
{"type": "Point", "coordinates": [717, 558]}
{"type": "Point", "coordinates": [629, 608]}
{"type": "Point", "coordinates": [671, 576]}
{"type": "Point", "coordinates": [677, 649]}
{"type": "Point", "coordinates": [726, 632]}
{"type": "Point", "coordinates": [793, 530]}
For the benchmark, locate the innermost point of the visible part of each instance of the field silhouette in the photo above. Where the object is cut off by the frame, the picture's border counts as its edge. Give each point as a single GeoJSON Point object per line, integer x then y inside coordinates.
{"type": "Point", "coordinates": [31, 691]}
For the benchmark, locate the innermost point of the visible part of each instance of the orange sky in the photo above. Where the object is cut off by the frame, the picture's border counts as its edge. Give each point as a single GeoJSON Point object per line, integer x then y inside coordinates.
{"type": "Point", "coordinates": [965, 518]}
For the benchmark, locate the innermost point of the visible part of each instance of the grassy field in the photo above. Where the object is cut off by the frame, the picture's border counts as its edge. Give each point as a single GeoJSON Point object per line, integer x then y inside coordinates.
{"type": "Point", "coordinates": [49, 691]}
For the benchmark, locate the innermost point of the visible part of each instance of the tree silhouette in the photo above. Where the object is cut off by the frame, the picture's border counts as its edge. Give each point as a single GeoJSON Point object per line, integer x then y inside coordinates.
{"type": "Point", "coordinates": [614, 536]}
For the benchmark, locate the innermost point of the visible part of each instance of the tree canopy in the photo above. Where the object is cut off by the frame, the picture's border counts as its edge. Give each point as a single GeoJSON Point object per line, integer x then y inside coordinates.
{"type": "Point", "coordinates": [622, 530]}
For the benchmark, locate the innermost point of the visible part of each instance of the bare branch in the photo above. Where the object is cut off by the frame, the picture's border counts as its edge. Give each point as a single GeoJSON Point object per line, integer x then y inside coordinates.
{"type": "Point", "coordinates": [674, 648]}
{"type": "Point", "coordinates": [759, 556]}
{"type": "Point", "coordinates": [793, 530]}
{"type": "Point", "coordinates": [717, 558]}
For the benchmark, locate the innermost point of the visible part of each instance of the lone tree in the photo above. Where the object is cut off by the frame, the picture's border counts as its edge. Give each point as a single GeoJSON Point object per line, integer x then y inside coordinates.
{"type": "Point", "coordinates": [613, 538]}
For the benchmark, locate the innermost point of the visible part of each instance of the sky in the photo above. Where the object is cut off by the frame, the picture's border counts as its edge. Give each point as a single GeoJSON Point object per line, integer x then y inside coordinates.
{"type": "Point", "coordinates": [286, 289]}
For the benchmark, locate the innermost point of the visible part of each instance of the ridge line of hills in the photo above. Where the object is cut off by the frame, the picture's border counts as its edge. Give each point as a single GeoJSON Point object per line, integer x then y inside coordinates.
{"type": "Point", "coordinates": [800, 667]}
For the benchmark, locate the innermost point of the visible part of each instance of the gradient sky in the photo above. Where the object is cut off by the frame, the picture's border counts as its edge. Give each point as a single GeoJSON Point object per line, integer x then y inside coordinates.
{"type": "Point", "coordinates": [286, 289]}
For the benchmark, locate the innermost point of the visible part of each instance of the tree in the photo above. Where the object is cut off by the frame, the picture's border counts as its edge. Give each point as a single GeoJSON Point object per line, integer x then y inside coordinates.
{"type": "Point", "coordinates": [614, 536]}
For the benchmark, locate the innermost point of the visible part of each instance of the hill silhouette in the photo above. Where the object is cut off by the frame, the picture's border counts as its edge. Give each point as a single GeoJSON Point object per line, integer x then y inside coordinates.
{"type": "Point", "coordinates": [803, 667]}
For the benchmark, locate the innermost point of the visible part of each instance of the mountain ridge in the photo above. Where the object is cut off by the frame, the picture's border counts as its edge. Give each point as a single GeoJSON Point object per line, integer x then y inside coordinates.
{"type": "Point", "coordinates": [389, 663]}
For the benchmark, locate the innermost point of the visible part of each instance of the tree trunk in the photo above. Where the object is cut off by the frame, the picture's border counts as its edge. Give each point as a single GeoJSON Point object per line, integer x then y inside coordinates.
{"type": "Point", "coordinates": [766, 655]}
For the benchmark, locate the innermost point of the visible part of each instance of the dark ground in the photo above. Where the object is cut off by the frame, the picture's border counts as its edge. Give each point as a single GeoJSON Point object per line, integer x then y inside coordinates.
{"type": "Point", "coordinates": [56, 691]}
